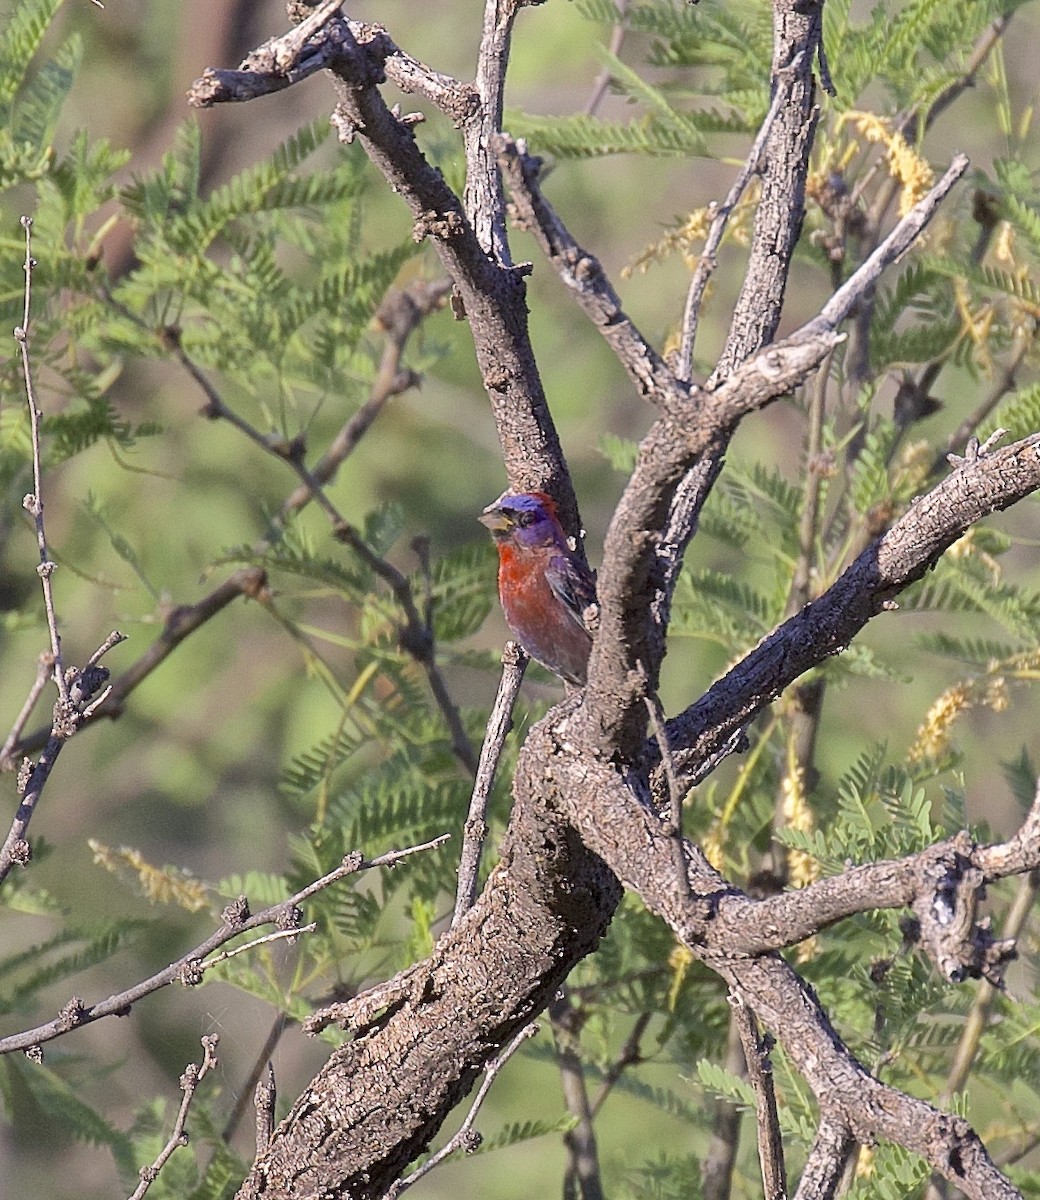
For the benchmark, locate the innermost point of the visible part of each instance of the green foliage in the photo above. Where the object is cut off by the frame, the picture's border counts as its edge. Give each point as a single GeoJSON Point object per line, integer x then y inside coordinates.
{"type": "Point", "coordinates": [38, 1096]}
{"type": "Point", "coordinates": [266, 287]}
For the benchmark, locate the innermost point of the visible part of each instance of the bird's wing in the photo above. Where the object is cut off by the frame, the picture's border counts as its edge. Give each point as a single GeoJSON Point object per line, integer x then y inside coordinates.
{"type": "Point", "coordinates": [571, 584]}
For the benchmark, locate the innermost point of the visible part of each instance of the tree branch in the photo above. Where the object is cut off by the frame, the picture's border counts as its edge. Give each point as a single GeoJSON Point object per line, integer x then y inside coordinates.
{"type": "Point", "coordinates": [760, 1072]}
{"type": "Point", "coordinates": [492, 295]}
{"type": "Point", "coordinates": [827, 624]}
{"type": "Point", "coordinates": [514, 663]}
{"type": "Point", "coordinates": [77, 704]}
{"type": "Point", "coordinates": [829, 1156]}
{"type": "Point", "coordinates": [180, 623]}
{"type": "Point", "coordinates": [193, 1075]}
{"type": "Point", "coordinates": [190, 967]}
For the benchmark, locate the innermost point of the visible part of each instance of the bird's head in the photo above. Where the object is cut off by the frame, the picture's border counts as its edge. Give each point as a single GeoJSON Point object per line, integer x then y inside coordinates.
{"type": "Point", "coordinates": [527, 519]}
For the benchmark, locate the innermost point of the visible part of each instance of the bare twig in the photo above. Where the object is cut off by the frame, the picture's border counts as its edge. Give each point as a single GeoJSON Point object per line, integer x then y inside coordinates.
{"type": "Point", "coordinates": [400, 314]}
{"type": "Point", "coordinates": [760, 1072]}
{"type": "Point", "coordinates": [720, 1159]}
{"type": "Point", "coordinates": [81, 688]}
{"type": "Point", "coordinates": [416, 637]}
{"type": "Point", "coordinates": [1025, 339]}
{"type": "Point", "coordinates": [617, 38]}
{"type": "Point", "coordinates": [190, 1080]}
{"type": "Point", "coordinates": [482, 199]}
{"type": "Point", "coordinates": [44, 672]}
{"type": "Point", "coordinates": [466, 1138]}
{"type": "Point", "coordinates": [33, 502]}
{"type": "Point", "coordinates": [251, 1087]}
{"type": "Point", "coordinates": [630, 1055]}
{"type": "Point", "coordinates": [181, 621]}
{"type": "Point", "coordinates": [708, 260]}
{"type": "Point", "coordinates": [583, 1176]}
{"type": "Point", "coordinates": [189, 968]}
{"type": "Point", "coordinates": [514, 662]}
{"type": "Point", "coordinates": [890, 251]}
{"type": "Point", "coordinates": [279, 63]}
{"type": "Point", "coordinates": [586, 280]}
{"type": "Point", "coordinates": [676, 792]}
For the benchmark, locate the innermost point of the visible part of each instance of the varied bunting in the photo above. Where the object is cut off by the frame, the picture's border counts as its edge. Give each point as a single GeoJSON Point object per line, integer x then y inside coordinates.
{"type": "Point", "coordinates": [544, 586]}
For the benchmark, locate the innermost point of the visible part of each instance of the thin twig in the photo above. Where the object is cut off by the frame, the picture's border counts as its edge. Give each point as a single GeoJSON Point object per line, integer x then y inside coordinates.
{"type": "Point", "coordinates": [400, 314]}
{"type": "Point", "coordinates": [890, 251]}
{"type": "Point", "coordinates": [676, 792]}
{"type": "Point", "coordinates": [189, 967]}
{"type": "Point", "coordinates": [44, 671]}
{"type": "Point", "coordinates": [416, 637]}
{"type": "Point", "coordinates": [466, 1138]}
{"type": "Point", "coordinates": [617, 38]}
{"type": "Point", "coordinates": [1024, 341]}
{"type": "Point", "coordinates": [583, 1176]}
{"type": "Point", "coordinates": [514, 662]}
{"type": "Point", "coordinates": [33, 502]}
{"type": "Point", "coordinates": [277, 936]}
{"type": "Point", "coordinates": [587, 282]}
{"type": "Point", "coordinates": [181, 621]}
{"type": "Point", "coordinates": [708, 260]}
{"type": "Point", "coordinates": [483, 200]}
{"type": "Point", "coordinates": [720, 1159]}
{"type": "Point", "coordinates": [81, 688]}
{"type": "Point", "coordinates": [252, 1084]}
{"type": "Point", "coordinates": [630, 1055]}
{"type": "Point", "coordinates": [760, 1072]}
{"type": "Point", "coordinates": [190, 1080]}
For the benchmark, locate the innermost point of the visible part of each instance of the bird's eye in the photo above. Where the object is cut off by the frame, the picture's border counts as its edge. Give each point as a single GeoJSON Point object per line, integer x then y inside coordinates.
{"type": "Point", "coordinates": [525, 519]}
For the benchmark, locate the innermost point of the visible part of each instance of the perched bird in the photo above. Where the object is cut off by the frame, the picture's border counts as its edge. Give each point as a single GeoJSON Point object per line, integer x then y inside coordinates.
{"type": "Point", "coordinates": [544, 586]}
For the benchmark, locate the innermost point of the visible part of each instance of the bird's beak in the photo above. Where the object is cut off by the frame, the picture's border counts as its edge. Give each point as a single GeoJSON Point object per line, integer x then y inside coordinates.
{"type": "Point", "coordinates": [495, 517]}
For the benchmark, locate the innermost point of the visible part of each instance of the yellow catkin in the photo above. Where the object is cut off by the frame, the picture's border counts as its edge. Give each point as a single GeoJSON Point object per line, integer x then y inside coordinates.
{"type": "Point", "coordinates": [680, 960]}
{"type": "Point", "coordinates": [1004, 245]}
{"type": "Point", "coordinates": [712, 847]}
{"type": "Point", "coordinates": [679, 240]}
{"type": "Point", "coordinates": [688, 238]}
{"type": "Point", "coordinates": [802, 868]}
{"type": "Point", "coordinates": [991, 690]}
{"type": "Point", "coordinates": [933, 737]}
{"type": "Point", "coordinates": [160, 885]}
{"type": "Point", "coordinates": [915, 466]}
{"type": "Point", "coordinates": [968, 546]}
{"type": "Point", "coordinates": [905, 165]}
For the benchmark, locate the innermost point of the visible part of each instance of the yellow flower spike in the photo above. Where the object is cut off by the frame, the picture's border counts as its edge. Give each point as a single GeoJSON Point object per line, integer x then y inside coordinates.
{"type": "Point", "coordinates": [802, 867]}
{"type": "Point", "coordinates": [680, 960]}
{"type": "Point", "coordinates": [159, 885]}
{"type": "Point", "coordinates": [933, 737]}
{"type": "Point", "coordinates": [905, 165]}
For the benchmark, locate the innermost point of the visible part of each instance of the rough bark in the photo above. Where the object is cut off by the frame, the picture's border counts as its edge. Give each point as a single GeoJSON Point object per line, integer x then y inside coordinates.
{"type": "Point", "coordinates": [585, 819]}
